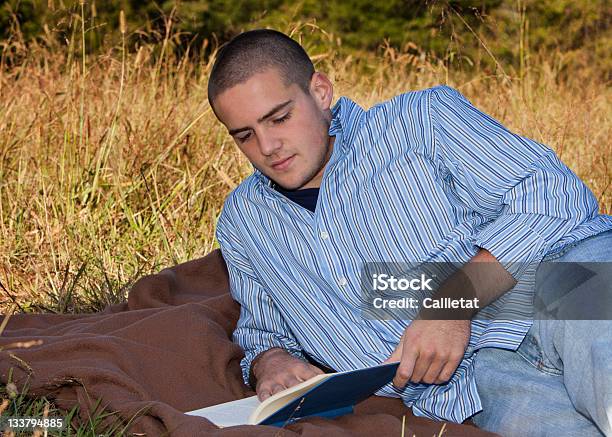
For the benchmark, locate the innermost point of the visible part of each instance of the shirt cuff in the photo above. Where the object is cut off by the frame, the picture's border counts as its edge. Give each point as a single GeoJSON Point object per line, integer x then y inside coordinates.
{"type": "Point", "coordinates": [246, 362]}
{"type": "Point", "coordinates": [517, 240]}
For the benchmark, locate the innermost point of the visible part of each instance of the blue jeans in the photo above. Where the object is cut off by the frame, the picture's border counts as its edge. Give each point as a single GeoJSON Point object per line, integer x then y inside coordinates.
{"type": "Point", "coordinates": [559, 381]}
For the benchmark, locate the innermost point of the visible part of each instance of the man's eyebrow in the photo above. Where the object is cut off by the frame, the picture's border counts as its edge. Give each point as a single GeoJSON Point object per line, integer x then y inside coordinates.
{"type": "Point", "coordinates": [269, 114]}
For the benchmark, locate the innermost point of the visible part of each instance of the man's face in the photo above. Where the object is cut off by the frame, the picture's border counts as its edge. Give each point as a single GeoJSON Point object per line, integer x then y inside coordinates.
{"type": "Point", "coordinates": [280, 129]}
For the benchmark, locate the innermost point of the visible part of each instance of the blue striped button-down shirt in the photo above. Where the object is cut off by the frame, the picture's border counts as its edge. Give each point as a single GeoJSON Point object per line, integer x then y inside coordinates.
{"type": "Point", "coordinates": [424, 176]}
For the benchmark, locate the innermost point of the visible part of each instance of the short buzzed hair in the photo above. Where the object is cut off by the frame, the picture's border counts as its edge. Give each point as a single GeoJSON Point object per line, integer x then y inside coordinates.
{"type": "Point", "coordinates": [254, 52]}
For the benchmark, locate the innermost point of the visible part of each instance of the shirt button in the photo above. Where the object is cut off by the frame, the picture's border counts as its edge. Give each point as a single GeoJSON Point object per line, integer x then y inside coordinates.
{"type": "Point", "coordinates": [342, 282]}
{"type": "Point", "coordinates": [324, 235]}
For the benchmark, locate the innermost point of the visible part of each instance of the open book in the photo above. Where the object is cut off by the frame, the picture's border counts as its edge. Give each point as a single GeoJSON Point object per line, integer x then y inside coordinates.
{"type": "Point", "coordinates": [327, 395]}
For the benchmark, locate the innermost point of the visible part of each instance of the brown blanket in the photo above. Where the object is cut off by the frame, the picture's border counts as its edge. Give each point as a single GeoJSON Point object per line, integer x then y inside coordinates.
{"type": "Point", "coordinates": [166, 351]}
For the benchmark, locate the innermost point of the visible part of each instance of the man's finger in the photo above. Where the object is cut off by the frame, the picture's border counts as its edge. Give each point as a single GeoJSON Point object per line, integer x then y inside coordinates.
{"type": "Point", "coordinates": [422, 364]}
{"type": "Point", "coordinates": [431, 376]}
{"type": "Point", "coordinates": [405, 369]}
{"type": "Point", "coordinates": [263, 395]}
{"type": "Point", "coordinates": [447, 372]}
{"type": "Point", "coordinates": [276, 388]}
{"type": "Point", "coordinates": [306, 372]}
{"type": "Point", "coordinates": [315, 370]}
{"type": "Point", "coordinates": [396, 355]}
{"type": "Point", "coordinates": [291, 380]}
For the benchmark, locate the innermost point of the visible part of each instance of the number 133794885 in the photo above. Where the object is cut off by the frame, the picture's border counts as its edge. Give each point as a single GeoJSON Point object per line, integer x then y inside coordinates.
{"type": "Point", "coordinates": [24, 423]}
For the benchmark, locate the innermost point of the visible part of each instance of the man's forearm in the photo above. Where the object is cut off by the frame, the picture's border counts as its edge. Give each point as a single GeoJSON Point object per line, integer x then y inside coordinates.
{"type": "Point", "coordinates": [483, 277]}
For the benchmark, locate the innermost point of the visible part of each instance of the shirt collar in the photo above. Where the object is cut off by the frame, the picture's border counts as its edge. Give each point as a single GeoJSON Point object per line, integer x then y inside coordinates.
{"type": "Point", "coordinates": [343, 126]}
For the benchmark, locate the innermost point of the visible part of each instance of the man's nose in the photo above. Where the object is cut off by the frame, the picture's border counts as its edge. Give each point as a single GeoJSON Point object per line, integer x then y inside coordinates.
{"type": "Point", "coordinates": [269, 144]}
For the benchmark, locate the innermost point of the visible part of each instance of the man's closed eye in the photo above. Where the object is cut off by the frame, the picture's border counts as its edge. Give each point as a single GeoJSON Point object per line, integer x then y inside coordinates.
{"type": "Point", "coordinates": [280, 120]}
{"type": "Point", "coordinates": [244, 138]}
{"type": "Point", "coordinates": [284, 118]}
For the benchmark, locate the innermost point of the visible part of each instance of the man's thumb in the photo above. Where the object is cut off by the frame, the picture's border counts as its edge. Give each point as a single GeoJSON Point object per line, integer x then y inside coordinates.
{"type": "Point", "coordinates": [396, 355]}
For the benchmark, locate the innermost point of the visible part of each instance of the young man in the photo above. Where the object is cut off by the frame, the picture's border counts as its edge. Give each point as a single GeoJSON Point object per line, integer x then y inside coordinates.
{"type": "Point", "coordinates": [422, 177]}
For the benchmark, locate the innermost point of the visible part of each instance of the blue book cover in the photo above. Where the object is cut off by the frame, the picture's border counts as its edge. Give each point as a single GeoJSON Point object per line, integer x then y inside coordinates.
{"type": "Point", "coordinates": [335, 395]}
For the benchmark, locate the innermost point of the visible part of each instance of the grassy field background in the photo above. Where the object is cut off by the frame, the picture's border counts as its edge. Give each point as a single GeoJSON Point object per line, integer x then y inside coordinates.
{"type": "Point", "coordinates": [112, 165]}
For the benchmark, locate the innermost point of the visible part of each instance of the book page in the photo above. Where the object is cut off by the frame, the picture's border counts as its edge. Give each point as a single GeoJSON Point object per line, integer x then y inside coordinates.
{"type": "Point", "coordinates": [230, 413]}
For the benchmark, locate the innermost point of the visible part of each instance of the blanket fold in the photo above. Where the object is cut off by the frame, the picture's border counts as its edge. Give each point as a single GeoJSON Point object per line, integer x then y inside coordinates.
{"type": "Point", "coordinates": [165, 351]}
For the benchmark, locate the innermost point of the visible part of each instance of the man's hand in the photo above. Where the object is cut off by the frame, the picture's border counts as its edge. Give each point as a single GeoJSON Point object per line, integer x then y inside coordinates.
{"type": "Point", "coordinates": [276, 369]}
{"type": "Point", "coordinates": [430, 351]}
{"type": "Point", "coordinates": [432, 347]}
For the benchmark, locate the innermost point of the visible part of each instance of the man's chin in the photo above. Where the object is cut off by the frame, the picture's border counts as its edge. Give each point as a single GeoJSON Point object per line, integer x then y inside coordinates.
{"type": "Point", "coordinates": [287, 186]}
{"type": "Point", "coordinates": [287, 183]}
{"type": "Point", "coordinates": [292, 184]}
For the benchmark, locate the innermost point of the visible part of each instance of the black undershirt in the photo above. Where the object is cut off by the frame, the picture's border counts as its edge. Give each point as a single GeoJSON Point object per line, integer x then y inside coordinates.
{"type": "Point", "coordinates": [306, 197]}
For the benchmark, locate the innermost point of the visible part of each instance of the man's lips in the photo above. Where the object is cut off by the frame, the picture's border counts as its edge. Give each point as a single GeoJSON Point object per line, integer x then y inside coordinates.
{"type": "Point", "coordinates": [282, 164]}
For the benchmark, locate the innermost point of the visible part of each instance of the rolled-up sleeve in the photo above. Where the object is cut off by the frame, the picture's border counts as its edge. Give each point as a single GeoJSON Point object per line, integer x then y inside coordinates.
{"type": "Point", "coordinates": [260, 326]}
{"type": "Point", "coordinates": [529, 196]}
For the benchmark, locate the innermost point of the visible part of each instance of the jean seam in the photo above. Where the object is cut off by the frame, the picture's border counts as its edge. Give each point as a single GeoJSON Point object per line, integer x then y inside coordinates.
{"type": "Point", "coordinates": [531, 352]}
{"type": "Point", "coordinates": [562, 251]}
{"type": "Point", "coordinates": [540, 366]}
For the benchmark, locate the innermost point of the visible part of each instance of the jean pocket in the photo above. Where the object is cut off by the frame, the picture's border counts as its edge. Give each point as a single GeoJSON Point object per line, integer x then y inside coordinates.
{"type": "Point", "coordinates": [531, 351]}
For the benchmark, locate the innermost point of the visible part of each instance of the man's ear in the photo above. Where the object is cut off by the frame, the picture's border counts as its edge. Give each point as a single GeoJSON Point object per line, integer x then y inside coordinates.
{"type": "Point", "coordinates": [321, 90]}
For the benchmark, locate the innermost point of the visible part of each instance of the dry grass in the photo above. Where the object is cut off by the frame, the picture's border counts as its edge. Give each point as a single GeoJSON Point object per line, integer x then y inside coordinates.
{"type": "Point", "coordinates": [113, 166]}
